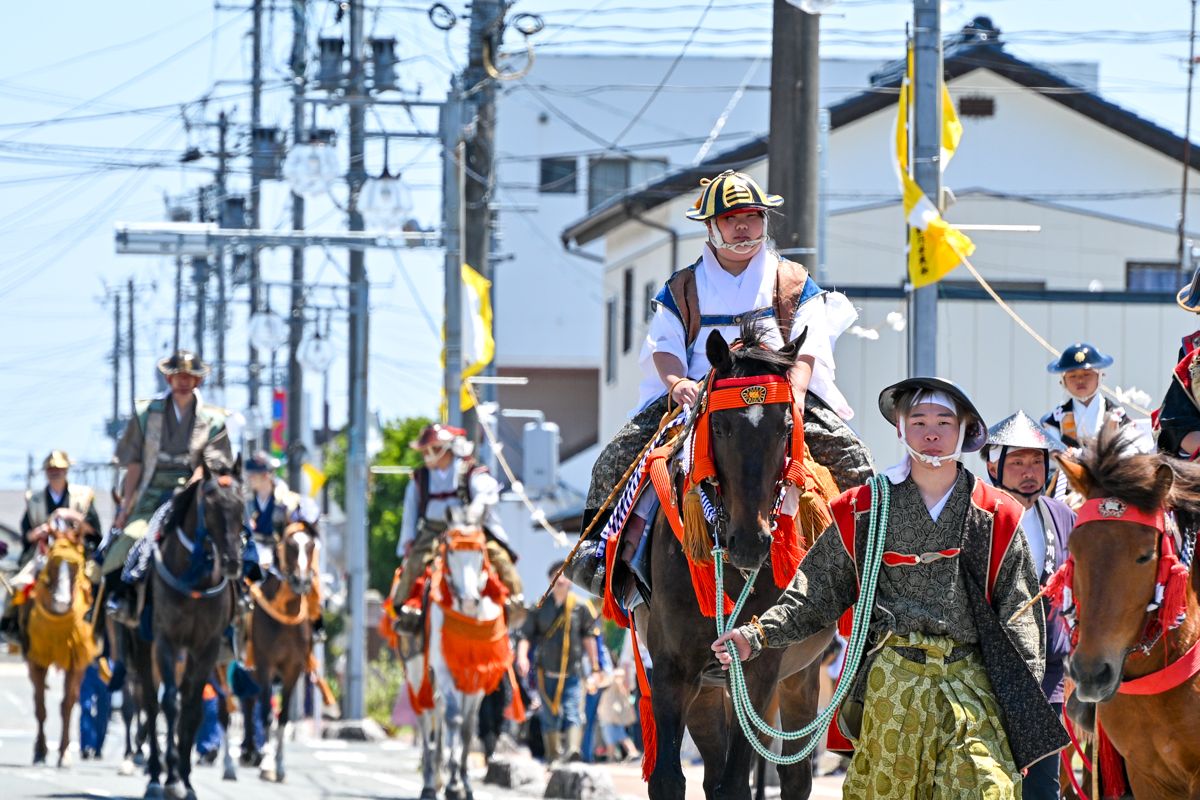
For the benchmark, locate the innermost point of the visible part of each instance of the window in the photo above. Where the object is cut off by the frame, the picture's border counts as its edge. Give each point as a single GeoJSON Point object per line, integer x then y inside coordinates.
{"type": "Point", "coordinates": [608, 177]}
{"type": "Point", "coordinates": [627, 312]}
{"type": "Point", "coordinates": [1154, 276]}
{"type": "Point", "coordinates": [610, 341]}
{"type": "Point", "coordinates": [976, 105]}
{"type": "Point", "coordinates": [557, 176]}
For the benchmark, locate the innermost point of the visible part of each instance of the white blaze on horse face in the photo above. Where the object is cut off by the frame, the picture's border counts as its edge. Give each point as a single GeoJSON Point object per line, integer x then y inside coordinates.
{"type": "Point", "coordinates": [301, 540]}
{"type": "Point", "coordinates": [61, 599]}
{"type": "Point", "coordinates": [466, 573]}
{"type": "Point", "coordinates": [754, 415]}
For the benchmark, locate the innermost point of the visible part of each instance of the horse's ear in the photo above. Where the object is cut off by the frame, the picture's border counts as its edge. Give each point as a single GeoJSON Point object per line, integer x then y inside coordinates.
{"type": "Point", "coordinates": [237, 466]}
{"type": "Point", "coordinates": [791, 350]}
{"type": "Point", "coordinates": [1077, 474]}
{"type": "Point", "coordinates": [1164, 477]}
{"type": "Point", "coordinates": [717, 350]}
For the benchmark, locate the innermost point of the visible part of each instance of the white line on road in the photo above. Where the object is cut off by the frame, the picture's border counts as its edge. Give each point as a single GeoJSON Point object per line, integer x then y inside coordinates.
{"type": "Point", "coordinates": [345, 758]}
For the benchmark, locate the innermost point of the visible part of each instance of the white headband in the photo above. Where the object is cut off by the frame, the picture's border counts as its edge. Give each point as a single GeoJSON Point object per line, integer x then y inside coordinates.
{"type": "Point", "coordinates": [936, 398]}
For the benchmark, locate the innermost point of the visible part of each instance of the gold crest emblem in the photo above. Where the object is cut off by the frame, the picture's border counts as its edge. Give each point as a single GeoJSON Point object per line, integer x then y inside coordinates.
{"type": "Point", "coordinates": [754, 395]}
{"type": "Point", "coordinates": [1081, 356]}
{"type": "Point", "coordinates": [1111, 507]}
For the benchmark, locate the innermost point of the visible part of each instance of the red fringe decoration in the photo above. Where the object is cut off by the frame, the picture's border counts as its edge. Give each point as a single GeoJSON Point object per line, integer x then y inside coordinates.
{"type": "Point", "coordinates": [1174, 577]}
{"type": "Point", "coordinates": [1062, 579]}
{"type": "Point", "coordinates": [478, 652]}
{"type": "Point", "coordinates": [704, 584]}
{"type": "Point", "coordinates": [422, 700]}
{"type": "Point", "coordinates": [516, 708]}
{"type": "Point", "coordinates": [786, 551]}
{"type": "Point", "coordinates": [1112, 766]}
{"type": "Point", "coordinates": [649, 736]}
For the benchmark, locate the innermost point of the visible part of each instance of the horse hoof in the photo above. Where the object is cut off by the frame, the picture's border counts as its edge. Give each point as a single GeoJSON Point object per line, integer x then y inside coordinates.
{"type": "Point", "coordinates": [191, 794]}
{"type": "Point", "coordinates": [230, 774]}
{"type": "Point", "coordinates": [153, 792]}
{"type": "Point", "coordinates": [64, 760]}
{"type": "Point", "coordinates": [267, 774]}
{"type": "Point", "coordinates": [126, 768]}
{"type": "Point", "coordinates": [428, 794]}
{"type": "Point", "coordinates": [177, 791]}
{"type": "Point", "coordinates": [139, 760]}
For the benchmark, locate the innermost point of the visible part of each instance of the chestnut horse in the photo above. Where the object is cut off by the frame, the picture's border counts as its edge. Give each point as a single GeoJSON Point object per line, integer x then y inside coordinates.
{"type": "Point", "coordinates": [54, 633]}
{"type": "Point", "coordinates": [1136, 654]}
{"type": "Point", "coordinates": [749, 450]}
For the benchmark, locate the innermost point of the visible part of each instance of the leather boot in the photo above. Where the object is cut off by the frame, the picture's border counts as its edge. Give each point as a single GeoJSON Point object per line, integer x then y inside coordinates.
{"type": "Point", "coordinates": [550, 741]}
{"type": "Point", "coordinates": [573, 746]}
{"type": "Point", "coordinates": [586, 568]}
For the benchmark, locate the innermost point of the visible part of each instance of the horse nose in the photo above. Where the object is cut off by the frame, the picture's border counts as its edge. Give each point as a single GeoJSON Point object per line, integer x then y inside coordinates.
{"type": "Point", "coordinates": [1095, 679]}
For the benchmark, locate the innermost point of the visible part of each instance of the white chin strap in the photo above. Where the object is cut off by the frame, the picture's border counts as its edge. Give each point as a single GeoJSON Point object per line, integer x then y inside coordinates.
{"type": "Point", "coordinates": [718, 242]}
{"type": "Point", "coordinates": [935, 461]}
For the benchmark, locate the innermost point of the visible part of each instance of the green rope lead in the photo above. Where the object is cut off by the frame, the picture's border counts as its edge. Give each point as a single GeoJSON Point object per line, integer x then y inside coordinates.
{"type": "Point", "coordinates": [748, 718]}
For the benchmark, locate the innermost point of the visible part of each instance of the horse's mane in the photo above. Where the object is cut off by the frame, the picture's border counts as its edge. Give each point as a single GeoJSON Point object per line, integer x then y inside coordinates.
{"type": "Point", "coordinates": [179, 509]}
{"type": "Point", "coordinates": [756, 353]}
{"type": "Point", "coordinates": [1117, 469]}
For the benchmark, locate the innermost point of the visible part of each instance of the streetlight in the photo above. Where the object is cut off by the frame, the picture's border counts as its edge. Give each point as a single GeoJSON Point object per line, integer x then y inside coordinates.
{"type": "Point", "coordinates": [311, 169]}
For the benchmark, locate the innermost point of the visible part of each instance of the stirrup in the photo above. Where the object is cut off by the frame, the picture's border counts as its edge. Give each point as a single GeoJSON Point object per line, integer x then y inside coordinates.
{"type": "Point", "coordinates": [587, 568]}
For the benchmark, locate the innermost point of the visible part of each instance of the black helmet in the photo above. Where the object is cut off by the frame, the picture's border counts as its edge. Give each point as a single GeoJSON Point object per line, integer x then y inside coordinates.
{"type": "Point", "coordinates": [1080, 355]}
{"type": "Point", "coordinates": [975, 432]}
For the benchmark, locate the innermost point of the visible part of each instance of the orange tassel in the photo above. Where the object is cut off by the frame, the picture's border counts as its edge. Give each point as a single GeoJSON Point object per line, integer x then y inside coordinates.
{"type": "Point", "coordinates": [516, 708]}
{"type": "Point", "coordinates": [649, 736]}
{"type": "Point", "coordinates": [786, 551]}
{"type": "Point", "coordinates": [1174, 602]}
{"type": "Point", "coordinates": [697, 541]}
{"type": "Point", "coordinates": [478, 653]}
{"type": "Point", "coordinates": [1112, 766]}
{"type": "Point", "coordinates": [813, 516]}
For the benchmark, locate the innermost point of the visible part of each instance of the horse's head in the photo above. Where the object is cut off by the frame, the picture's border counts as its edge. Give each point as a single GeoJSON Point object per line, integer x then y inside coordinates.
{"type": "Point", "coordinates": [64, 566]}
{"type": "Point", "coordinates": [1117, 550]}
{"type": "Point", "coordinates": [750, 440]}
{"type": "Point", "coordinates": [466, 567]}
{"type": "Point", "coordinates": [296, 554]}
{"type": "Point", "coordinates": [212, 507]}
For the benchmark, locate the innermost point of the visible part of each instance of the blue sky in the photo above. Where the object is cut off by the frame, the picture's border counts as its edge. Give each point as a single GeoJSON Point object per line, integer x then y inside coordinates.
{"type": "Point", "coordinates": [93, 125]}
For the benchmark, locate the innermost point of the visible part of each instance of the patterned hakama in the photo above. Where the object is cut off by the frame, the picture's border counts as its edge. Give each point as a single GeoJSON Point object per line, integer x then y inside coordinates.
{"type": "Point", "coordinates": [930, 730]}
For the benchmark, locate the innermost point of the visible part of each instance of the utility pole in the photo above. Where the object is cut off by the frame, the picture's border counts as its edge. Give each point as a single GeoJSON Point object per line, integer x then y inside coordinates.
{"type": "Point", "coordinates": [356, 456]}
{"type": "Point", "coordinates": [219, 259]}
{"type": "Point", "coordinates": [200, 280]}
{"type": "Point", "coordinates": [132, 364]}
{"type": "Point", "coordinates": [252, 383]}
{"type": "Point", "coordinates": [926, 139]}
{"type": "Point", "coordinates": [479, 91]}
{"type": "Point", "coordinates": [295, 393]}
{"type": "Point", "coordinates": [792, 148]}
{"type": "Point", "coordinates": [116, 365]}
{"type": "Point", "coordinates": [453, 156]}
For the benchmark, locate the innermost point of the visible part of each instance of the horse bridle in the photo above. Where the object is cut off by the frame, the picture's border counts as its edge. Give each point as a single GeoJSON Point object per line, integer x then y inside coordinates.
{"type": "Point", "coordinates": [721, 394]}
{"type": "Point", "coordinates": [199, 560]}
{"type": "Point", "coordinates": [1171, 568]}
{"type": "Point", "coordinates": [291, 578]}
{"type": "Point", "coordinates": [463, 539]}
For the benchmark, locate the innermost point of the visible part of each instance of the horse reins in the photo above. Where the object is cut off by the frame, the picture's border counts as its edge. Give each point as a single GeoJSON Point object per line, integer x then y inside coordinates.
{"type": "Point", "coordinates": [187, 585]}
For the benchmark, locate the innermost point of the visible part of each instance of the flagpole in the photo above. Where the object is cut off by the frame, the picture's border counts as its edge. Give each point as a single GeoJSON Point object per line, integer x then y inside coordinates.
{"type": "Point", "coordinates": [926, 127]}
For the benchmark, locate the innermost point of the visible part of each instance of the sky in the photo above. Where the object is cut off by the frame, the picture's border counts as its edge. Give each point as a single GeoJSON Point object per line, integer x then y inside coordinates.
{"type": "Point", "coordinates": [100, 101]}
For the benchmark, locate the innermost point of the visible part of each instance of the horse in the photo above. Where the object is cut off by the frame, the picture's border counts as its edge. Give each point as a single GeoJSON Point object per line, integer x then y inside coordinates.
{"type": "Point", "coordinates": [466, 654]}
{"type": "Point", "coordinates": [192, 595]}
{"type": "Point", "coordinates": [53, 631]}
{"type": "Point", "coordinates": [120, 637]}
{"type": "Point", "coordinates": [749, 450]}
{"type": "Point", "coordinates": [1137, 616]}
{"type": "Point", "coordinates": [281, 638]}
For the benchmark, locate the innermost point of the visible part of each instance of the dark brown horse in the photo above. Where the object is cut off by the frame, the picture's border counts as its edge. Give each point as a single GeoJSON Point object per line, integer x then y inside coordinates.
{"type": "Point", "coordinates": [191, 591]}
{"type": "Point", "coordinates": [281, 636]}
{"type": "Point", "coordinates": [1117, 556]}
{"type": "Point", "coordinates": [749, 449]}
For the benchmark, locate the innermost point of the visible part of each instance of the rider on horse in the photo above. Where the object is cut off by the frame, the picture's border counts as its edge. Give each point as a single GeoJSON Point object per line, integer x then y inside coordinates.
{"type": "Point", "coordinates": [165, 442]}
{"type": "Point", "coordinates": [270, 504]}
{"type": "Point", "coordinates": [1017, 454]}
{"type": "Point", "coordinates": [449, 479]}
{"type": "Point", "coordinates": [949, 696]}
{"type": "Point", "coordinates": [1178, 421]}
{"type": "Point", "coordinates": [736, 278]}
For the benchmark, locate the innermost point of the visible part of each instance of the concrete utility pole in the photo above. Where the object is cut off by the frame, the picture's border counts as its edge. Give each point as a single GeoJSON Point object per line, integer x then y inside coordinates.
{"type": "Point", "coordinates": [116, 365]}
{"type": "Point", "coordinates": [793, 147]}
{"type": "Point", "coordinates": [356, 455]}
{"type": "Point", "coordinates": [252, 382]}
{"type": "Point", "coordinates": [219, 259]}
{"type": "Point", "coordinates": [132, 362]}
{"type": "Point", "coordinates": [925, 137]}
{"type": "Point", "coordinates": [200, 279]}
{"type": "Point", "coordinates": [453, 156]}
{"type": "Point", "coordinates": [479, 91]}
{"type": "Point", "coordinates": [295, 393]}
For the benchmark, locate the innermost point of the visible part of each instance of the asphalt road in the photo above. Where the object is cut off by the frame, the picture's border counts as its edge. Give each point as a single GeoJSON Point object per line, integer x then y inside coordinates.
{"type": "Point", "coordinates": [317, 768]}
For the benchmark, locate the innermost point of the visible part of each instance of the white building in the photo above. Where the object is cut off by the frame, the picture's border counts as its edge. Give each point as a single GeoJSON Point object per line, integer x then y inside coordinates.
{"type": "Point", "coordinates": [1039, 148]}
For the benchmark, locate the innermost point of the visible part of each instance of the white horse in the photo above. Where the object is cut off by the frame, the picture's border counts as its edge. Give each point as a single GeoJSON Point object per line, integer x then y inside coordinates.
{"type": "Point", "coordinates": [458, 579]}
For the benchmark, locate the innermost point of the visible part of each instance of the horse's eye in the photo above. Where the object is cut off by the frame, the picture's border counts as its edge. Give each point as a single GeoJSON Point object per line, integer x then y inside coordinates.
{"type": "Point", "coordinates": [1145, 559]}
{"type": "Point", "coordinates": [719, 429]}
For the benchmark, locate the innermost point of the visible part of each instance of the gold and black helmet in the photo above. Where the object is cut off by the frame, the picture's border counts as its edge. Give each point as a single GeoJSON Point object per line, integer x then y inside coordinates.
{"type": "Point", "coordinates": [730, 191]}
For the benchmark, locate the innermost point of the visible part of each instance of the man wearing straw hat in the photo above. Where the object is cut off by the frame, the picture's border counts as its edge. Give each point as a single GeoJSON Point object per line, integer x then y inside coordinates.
{"type": "Point", "coordinates": [168, 439]}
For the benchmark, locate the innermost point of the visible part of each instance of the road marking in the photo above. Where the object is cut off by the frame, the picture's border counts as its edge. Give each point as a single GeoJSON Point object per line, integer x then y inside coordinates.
{"type": "Point", "coordinates": [13, 733]}
{"type": "Point", "coordinates": [324, 744]}
{"type": "Point", "coordinates": [12, 698]}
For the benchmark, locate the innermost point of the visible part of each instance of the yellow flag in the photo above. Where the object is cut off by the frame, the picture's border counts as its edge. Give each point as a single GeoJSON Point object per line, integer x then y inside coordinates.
{"type": "Point", "coordinates": [935, 247]}
{"type": "Point", "coordinates": [316, 478]}
{"type": "Point", "coordinates": [478, 343]}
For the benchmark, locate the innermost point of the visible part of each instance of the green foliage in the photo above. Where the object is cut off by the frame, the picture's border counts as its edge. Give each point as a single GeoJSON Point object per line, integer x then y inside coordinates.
{"type": "Point", "coordinates": [385, 680]}
{"type": "Point", "coordinates": [386, 503]}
